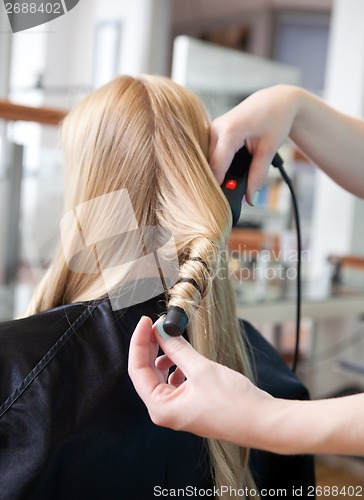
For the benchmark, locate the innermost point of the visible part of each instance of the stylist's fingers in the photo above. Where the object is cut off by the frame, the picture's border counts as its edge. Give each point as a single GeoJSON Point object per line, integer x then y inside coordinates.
{"type": "Point", "coordinates": [142, 354]}
{"type": "Point", "coordinates": [182, 354]}
{"type": "Point", "coordinates": [222, 148]}
{"type": "Point", "coordinates": [163, 362]}
{"type": "Point", "coordinates": [177, 377]}
{"type": "Point", "coordinates": [262, 158]}
{"type": "Point", "coordinates": [220, 160]}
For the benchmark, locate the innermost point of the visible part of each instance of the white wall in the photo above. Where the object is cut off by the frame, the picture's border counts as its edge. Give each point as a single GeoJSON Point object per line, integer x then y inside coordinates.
{"type": "Point", "coordinates": [334, 209]}
{"type": "Point", "coordinates": [145, 26]}
{"type": "Point", "coordinates": [69, 54]}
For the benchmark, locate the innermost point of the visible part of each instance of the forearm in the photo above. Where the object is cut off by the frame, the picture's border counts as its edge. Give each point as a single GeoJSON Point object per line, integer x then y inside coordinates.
{"type": "Point", "coordinates": [333, 426]}
{"type": "Point", "coordinates": [333, 140]}
{"type": "Point", "coordinates": [219, 403]}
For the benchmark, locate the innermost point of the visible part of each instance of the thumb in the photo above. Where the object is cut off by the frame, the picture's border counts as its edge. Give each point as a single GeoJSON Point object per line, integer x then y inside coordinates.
{"type": "Point", "coordinates": [179, 351]}
{"type": "Point", "coordinates": [258, 173]}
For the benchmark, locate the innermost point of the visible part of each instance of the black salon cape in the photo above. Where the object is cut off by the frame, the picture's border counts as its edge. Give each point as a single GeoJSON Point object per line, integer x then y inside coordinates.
{"type": "Point", "coordinates": [72, 426]}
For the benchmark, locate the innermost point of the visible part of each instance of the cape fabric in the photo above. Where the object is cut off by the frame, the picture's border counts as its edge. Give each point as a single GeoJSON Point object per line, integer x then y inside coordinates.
{"type": "Point", "coordinates": [73, 427]}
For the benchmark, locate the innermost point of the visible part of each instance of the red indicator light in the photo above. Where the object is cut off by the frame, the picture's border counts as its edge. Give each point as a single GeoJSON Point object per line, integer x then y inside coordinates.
{"type": "Point", "coordinates": [231, 184]}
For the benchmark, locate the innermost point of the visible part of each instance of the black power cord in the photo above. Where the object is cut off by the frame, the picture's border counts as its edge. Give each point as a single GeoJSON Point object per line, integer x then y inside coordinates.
{"type": "Point", "coordinates": [278, 163]}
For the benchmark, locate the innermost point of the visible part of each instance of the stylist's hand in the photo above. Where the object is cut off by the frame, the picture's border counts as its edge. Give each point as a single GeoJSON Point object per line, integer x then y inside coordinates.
{"type": "Point", "coordinates": [212, 401]}
{"type": "Point", "coordinates": [262, 122]}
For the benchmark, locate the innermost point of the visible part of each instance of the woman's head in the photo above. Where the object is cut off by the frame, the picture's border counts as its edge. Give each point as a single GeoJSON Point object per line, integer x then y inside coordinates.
{"type": "Point", "coordinates": [150, 137]}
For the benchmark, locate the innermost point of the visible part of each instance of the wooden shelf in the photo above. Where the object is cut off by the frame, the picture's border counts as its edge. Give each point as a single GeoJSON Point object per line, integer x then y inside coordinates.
{"type": "Point", "coordinates": [243, 240]}
{"type": "Point", "coordinates": [19, 112]}
{"type": "Point", "coordinates": [353, 261]}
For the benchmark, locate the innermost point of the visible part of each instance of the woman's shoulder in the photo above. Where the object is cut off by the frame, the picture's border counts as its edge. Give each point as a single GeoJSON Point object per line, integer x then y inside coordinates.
{"type": "Point", "coordinates": [30, 344]}
{"type": "Point", "coordinates": [39, 331]}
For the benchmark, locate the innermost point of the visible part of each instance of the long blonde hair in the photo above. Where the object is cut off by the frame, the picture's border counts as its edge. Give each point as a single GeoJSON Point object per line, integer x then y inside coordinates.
{"type": "Point", "coordinates": [150, 136]}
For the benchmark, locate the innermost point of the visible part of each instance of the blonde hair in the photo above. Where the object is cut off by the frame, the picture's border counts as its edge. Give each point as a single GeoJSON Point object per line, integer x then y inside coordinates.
{"type": "Point", "coordinates": [150, 136]}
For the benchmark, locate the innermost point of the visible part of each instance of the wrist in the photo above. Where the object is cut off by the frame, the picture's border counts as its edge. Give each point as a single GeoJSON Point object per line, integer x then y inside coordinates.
{"type": "Point", "coordinates": [279, 426]}
{"type": "Point", "coordinates": [301, 108]}
{"type": "Point", "coordinates": [299, 427]}
{"type": "Point", "coordinates": [252, 421]}
{"type": "Point", "coordinates": [274, 431]}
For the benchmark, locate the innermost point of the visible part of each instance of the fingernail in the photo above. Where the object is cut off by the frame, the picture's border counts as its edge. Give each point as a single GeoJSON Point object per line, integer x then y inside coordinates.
{"type": "Point", "coordinates": [255, 198]}
{"type": "Point", "coordinates": [158, 325]}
